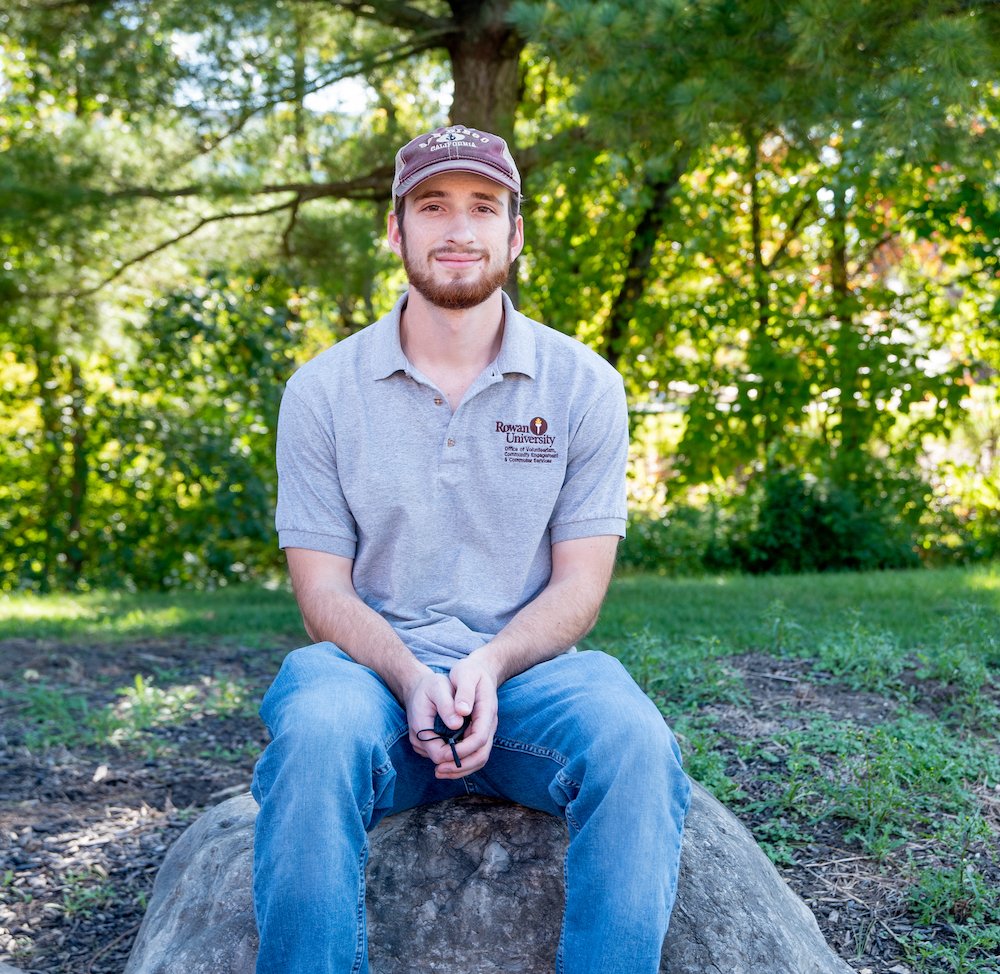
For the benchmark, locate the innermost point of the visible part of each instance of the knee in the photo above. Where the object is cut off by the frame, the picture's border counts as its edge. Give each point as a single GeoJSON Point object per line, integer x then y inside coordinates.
{"type": "Point", "coordinates": [323, 708]}
{"type": "Point", "coordinates": [624, 728]}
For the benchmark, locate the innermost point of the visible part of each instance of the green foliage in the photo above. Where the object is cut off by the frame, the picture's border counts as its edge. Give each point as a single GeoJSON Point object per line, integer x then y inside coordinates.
{"type": "Point", "coordinates": [85, 891]}
{"type": "Point", "coordinates": [782, 523]}
{"type": "Point", "coordinates": [60, 716]}
{"type": "Point", "coordinates": [800, 525]}
{"type": "Point", "coordinates": [678, 543]}
{"type": "Point", "coordinates": [779, 220]}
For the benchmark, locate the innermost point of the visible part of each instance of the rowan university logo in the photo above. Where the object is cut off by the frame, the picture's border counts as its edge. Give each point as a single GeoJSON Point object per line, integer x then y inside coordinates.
{"type": "Point", "coordinates": [528, 442]}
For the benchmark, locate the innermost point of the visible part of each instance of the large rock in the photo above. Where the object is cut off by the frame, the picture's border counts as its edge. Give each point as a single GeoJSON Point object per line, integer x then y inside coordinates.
{"type": "Point", "coordinates": [476, 885]}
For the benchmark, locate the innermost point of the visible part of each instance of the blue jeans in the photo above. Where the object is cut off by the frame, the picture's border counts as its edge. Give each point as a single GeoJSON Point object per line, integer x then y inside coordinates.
{"type": "Point", "coordinates": [576, 738]}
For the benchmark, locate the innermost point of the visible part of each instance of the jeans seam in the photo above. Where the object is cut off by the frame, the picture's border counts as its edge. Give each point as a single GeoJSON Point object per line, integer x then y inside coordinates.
{"type": "Point", "coordinates": [361, 916]}
{"type": "Point", "coordinates": [538, 752]}
{"type": "Point", "coordinates": [393, 739]}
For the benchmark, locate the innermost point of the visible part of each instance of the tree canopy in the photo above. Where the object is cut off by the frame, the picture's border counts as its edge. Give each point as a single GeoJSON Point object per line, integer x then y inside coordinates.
{"type": "Point", "coordinates": [778, 219]}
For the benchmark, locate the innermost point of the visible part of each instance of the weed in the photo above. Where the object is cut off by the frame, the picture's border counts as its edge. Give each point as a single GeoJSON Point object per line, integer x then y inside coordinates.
{"type": "Point", "coordinates": [786, 635]}
{"type": "Point", "coordinates": [863, 658]}
{"type": "Point", "coordinates": [61, 716]}
{"type": "Point", "coordinates": [703, 759]}
{"type": "Point", "coordinates": [85, 891]}
{"type": "Point", "coordinates": [966, 949]}
{"type": "Point", "coordinates": [8, 885]}
{"type": "Point", "coordinates": [957, 892]}
{"type": "Point", "coordinates": [679, 676]}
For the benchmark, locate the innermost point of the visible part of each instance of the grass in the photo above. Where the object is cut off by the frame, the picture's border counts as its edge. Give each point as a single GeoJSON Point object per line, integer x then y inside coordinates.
{"type": "Point", "coordinates": [253, 617]}
{"type": "Point", "coordinates": [906, 776]}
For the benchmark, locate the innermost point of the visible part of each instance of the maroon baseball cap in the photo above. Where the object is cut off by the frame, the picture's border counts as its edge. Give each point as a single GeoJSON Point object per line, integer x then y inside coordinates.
{"type": "Point", "coordinates": [454, 148]}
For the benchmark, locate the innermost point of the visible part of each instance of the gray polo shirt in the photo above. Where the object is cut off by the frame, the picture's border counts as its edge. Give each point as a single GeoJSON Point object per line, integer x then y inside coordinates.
{"type": "Point", "coordinates": [450, 517]}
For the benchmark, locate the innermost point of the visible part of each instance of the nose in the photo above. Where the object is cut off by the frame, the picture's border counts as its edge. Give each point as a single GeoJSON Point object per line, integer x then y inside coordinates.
{"type": "Point", "coordinates": [459, 229]}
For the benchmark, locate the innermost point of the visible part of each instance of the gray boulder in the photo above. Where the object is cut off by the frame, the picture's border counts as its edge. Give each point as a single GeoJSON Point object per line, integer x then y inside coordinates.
{"type": "Point", "coordinates": [476, 885]}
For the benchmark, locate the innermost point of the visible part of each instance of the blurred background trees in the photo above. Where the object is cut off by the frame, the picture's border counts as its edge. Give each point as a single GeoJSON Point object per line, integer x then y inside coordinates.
{"type": "Point", "coordinates": [778, 219]}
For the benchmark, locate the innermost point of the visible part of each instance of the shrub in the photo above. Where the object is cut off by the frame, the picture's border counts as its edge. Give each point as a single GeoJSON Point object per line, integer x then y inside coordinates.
{"type": "Point", "coordinates": [800, 525]}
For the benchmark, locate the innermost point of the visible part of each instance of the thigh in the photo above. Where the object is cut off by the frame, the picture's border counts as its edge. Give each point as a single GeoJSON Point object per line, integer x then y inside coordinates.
{"type": "Point", "coordinates": [346, 731]}
{"type": "Point", "coordinates": [559, 717]}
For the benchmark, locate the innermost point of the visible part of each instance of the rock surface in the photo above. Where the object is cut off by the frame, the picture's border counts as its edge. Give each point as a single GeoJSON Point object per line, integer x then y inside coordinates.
{"type": "Point", "coordinates": [476, 885]}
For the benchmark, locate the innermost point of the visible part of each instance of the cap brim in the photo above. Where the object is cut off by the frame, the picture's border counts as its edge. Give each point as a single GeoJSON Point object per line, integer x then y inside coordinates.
{"type": "Point", "coordinates": [455, 165]}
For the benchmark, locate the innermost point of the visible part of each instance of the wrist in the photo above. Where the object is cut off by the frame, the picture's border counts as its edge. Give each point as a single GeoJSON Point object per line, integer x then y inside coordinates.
{"type": "Point", "coordinates": [492, 659]}
{"type": "Point", "coordinates": [405, 681]}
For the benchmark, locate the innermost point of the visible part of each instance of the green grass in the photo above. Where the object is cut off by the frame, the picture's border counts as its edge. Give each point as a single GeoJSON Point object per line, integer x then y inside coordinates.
{"type": "Point", "coordinates": [252, 616]}
{"type": "Point", "coordinates": [737, 612]}
{"type": "Point", "coordinates": [763, 611]}
{"type": "Point", "coordinates": [905, 775]}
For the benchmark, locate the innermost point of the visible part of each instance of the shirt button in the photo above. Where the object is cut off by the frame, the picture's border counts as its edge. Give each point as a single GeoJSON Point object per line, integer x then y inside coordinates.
{"type": "Point", "coordinates": [451, 442]}
{"type": "Point", "coordinates": [438, 401]}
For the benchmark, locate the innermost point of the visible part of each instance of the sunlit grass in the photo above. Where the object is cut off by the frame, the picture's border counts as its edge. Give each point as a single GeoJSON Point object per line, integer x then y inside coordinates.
{"type": "Point", "coordinates": [738, 613]}
{"type": "Point", "coordinates": [759, 612]}
{"type": "Point", "coordinates": [251, 614]}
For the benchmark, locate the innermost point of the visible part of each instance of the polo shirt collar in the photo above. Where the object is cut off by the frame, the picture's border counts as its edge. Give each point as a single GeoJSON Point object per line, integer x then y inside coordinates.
{"type": "Point", "coordinates": [517, 350]}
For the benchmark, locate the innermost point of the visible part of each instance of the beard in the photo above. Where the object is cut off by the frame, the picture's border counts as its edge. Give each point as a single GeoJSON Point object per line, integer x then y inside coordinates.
{"type": "Point", "coordinates": [457, 295]}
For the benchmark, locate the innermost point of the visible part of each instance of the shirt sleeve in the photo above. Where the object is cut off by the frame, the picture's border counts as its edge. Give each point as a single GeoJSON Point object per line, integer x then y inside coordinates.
{"type": "Point", "coordinates": [312, 511]}
{"type": "Point", "coordinates": [592, 501]}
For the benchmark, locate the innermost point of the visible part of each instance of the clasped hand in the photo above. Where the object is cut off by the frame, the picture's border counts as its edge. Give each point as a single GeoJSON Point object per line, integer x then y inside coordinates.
{"type": "Point", "coordinates": [469, 689]}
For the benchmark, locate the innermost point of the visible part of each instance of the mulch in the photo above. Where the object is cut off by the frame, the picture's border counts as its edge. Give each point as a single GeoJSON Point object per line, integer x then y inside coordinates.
{"type": "Point", "coordinates": [82, 833]}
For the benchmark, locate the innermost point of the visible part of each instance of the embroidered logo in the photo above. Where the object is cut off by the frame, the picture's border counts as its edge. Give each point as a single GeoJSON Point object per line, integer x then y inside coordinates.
{"type": "Point", "coordinates": [456, 136]}
{"type": "Point", "coordinates": [528, 442]}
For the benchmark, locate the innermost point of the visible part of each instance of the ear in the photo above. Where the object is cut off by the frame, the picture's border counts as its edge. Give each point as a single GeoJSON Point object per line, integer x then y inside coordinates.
{"type": "Point", "coordinates": [517, 238]}
{"type": "Point", "coordinates": [394, 235]}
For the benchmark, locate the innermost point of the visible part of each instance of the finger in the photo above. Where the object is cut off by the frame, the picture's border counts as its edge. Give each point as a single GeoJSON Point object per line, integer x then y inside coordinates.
{"type": "Point", "coordinates": [443, 700]}
{"type": "Point", "coordinates": [466, 690]}
{"type": "Point", "coordinates": [470, 763]}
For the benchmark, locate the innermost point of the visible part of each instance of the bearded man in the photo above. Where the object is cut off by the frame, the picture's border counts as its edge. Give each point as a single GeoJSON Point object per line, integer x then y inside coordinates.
{"type": "Point", "coordinates": [451, 498]}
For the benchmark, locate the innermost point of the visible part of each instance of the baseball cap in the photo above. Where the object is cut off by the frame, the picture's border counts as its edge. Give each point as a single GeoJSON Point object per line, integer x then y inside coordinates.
{"type": "Point", "coordinates": [454, 148]}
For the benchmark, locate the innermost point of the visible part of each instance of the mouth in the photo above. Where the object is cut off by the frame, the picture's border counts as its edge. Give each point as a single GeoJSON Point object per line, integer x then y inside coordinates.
{"type": "Point", "coordinates": [457, 259]}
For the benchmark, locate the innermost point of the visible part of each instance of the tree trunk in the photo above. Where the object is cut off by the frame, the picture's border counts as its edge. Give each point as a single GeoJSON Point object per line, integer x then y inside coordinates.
{"type": "Point", "coordinates": [79, 472]}
{"type": "Point", "coordinates": [641, 249]}
{"type": "Point", "coordinates": [762, 306]}
{"type": "Point", "coordinates": [485, 52]}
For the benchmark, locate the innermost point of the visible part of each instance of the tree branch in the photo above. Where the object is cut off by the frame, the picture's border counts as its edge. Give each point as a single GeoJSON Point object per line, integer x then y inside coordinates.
{"type": "Point", "coordinates": [641, 249]}
{"type": "Point", "coordinates": [863, 260]}
{"type": "Point", "coordinates": [375, 185]}
{"type": "Point", "coordinates": [391, 13]}
{"type": "Point", "coordinates": [793, 226]}
{"type": "Point", "coordinates": [163, 245]}
{"type": "Point", "coordinates": [391, 56]}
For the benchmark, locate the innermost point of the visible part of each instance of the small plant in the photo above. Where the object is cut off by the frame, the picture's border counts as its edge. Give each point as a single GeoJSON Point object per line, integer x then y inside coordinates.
{"type": "Point", "coordinates": [678, 676]}
{"type": "Point", "coordinates": [957, 892]}
{"type": "Point", "coordinates": [85, 891]}
{"type": "Point", "coordinates": [703, 759]}
{"type": "Point", "coordinates": [61, 716]}
{"type": "Point", "coordinates": [964, 949]}
{"type": "Point", "coordinates": [863, 658]}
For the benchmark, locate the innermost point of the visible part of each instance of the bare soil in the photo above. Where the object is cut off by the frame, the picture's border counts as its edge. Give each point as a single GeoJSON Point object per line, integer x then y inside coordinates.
{"type": "Point", "coordinates": [83, 832]}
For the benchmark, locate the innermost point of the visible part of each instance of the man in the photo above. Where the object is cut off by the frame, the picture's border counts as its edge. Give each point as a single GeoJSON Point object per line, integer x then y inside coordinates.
{"type": "Point", "coordinates": [451, 497]}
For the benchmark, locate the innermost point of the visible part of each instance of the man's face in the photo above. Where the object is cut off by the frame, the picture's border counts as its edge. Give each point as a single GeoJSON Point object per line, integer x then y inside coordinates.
{"type": "Point", "coordinates": [458, 243]}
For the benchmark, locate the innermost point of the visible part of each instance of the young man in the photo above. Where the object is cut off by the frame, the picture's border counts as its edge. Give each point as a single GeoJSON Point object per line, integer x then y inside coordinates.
{"type": "Point", "coordinates": [451, 497]}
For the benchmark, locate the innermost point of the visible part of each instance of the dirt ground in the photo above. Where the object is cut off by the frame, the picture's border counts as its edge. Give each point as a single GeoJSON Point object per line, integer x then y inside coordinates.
{"type": "Point", "coordinates": [83, 832]}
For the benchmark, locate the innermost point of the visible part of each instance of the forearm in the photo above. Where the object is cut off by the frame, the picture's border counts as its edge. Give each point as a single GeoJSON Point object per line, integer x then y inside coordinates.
{"type": "Point", "coordinates": [563, 612]}
{"type": "Point", "coordinates": [543, 629]}
{"type": "Point", "coordinates": [333, 611]}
